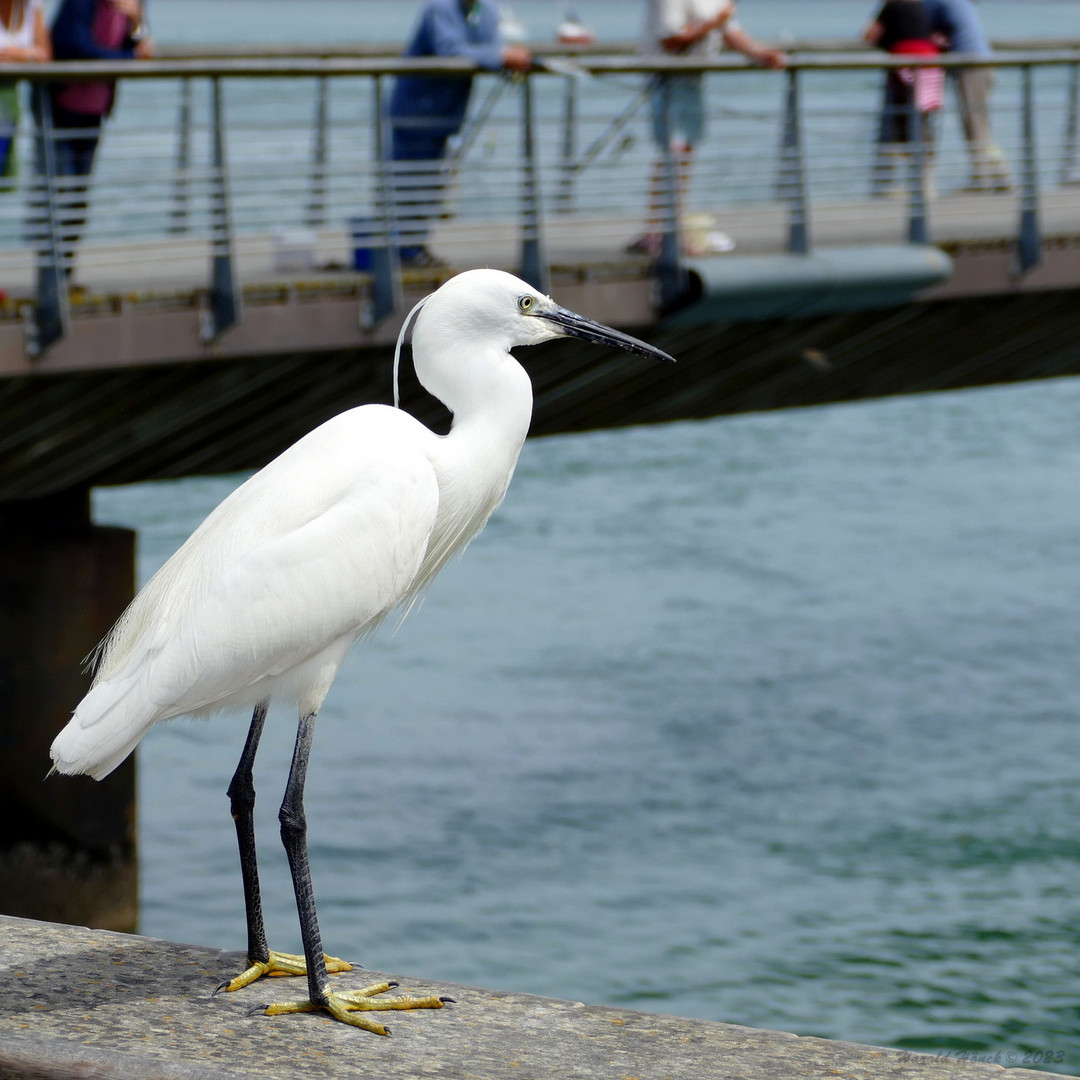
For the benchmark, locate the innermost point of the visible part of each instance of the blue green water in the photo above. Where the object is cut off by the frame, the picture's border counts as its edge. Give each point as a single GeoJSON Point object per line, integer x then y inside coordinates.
{"type": "Point", "coordinates": [768, 719]}
{"type": "Point", "coordinates": [327, 21]}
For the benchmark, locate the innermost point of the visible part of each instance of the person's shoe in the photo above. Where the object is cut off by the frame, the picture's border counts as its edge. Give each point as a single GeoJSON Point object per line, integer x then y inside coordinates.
{"type": "Point", "coordinates": [422, 260]}
{"type": "Point", "coordinates": [703, 238]}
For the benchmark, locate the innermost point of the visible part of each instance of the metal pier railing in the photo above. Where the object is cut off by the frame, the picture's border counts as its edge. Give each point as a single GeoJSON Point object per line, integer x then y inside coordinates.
{"type": "Point", "coordinates": [286, 156]}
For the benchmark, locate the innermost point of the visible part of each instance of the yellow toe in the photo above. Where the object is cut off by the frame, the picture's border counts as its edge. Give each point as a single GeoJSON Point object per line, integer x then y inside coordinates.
{"type": "Point", "coordinates": [281, 964]}
{"type": "Point", "coordinates": [349, 1006]}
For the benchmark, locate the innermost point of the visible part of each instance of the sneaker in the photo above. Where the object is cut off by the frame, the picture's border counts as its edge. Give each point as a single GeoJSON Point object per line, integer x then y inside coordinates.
{"type": "Point", "coordinates": [712, 242]}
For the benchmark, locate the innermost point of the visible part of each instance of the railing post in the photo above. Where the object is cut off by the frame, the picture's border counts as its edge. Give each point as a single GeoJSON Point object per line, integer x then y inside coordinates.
{"type": "Point", "coordinates": [51, 317]}
{"type": "Point", "coordinates": [918, 227]}
{"type": "Point", "coordinates": [534, 267]}
{"type": "Point", "coordinates": [669, 269]}
{"type": "Point", "coordinates": [1070, 143]}
{"type": "Point", "coordinates": [1029, 239]}
{"type": "Point", "coordinates": [564, 195]}
{"type": "Point", "coordinates": [316, 211]}
{"type": "Point", "coordinates": [386, 293]}
{"type": "Point", "coordinates": [792, 182]}
{"type": "Point", "coordinates": [224, 295]}
{"type": "Point", "coordinates": [180, 222]}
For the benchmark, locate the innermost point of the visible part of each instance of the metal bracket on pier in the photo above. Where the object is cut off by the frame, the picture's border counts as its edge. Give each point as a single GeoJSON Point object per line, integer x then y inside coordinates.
{"type": "Point", "coordinates": [386, 291]}
{"type": "Point", "coordinates": [1029, 238]}
{"type": "Point", "coordinates": [1069, 172]}
{"type": "Point", "coordinates": [179, 218]}
{"type": "Point", "coordinates": [317, 189]}
{"type": "Point", "coordinates": [918, 179]}
{"type": "Point", "coordinates": [224, 308]}
{"type": "Point", "coordinates": [52, 319]}
{"type": "Point", "coordinates": [671, 275]}
{"type": "Point", "coordinates": [792, 179]}
{"type": "Point", "coordinates": [534, 268]}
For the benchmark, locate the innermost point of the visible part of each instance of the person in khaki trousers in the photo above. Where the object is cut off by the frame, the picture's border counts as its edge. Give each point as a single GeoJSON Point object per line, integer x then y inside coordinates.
{"type": "Point", "coordinates": [956, 24]}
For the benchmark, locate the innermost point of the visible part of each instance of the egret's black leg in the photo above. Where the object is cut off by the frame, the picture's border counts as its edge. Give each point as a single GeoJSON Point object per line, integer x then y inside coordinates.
{"type": "Point", "coordinates": [242, 804]}
{"type": "Point", "coordinates": [294, 837]}
{"type": "Point", "coordinates": [261, 961]}
{"type": "Point", "coordinates": [346, 1005]}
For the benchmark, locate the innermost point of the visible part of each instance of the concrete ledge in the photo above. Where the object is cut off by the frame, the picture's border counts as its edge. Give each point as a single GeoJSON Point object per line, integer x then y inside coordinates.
{"type": "Point", "coordinates": [90, 1003]}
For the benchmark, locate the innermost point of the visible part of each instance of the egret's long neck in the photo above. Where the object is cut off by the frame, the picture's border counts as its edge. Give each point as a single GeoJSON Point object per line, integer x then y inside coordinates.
{"type": "Point", "coordinates": [492, 419]}
{"type": "Point", "coordinates": [469, 368]}
{"type": "Point", "coordinates": [492, 407]}
{"type": "Point", "coordinates": [479, 381]}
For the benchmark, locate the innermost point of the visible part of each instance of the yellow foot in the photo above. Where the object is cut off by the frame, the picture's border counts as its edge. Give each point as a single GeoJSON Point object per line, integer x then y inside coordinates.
{"type": "Point", "coordinates": [280, 964]}
{"type": "Point", "coordinates": [346, 1004]}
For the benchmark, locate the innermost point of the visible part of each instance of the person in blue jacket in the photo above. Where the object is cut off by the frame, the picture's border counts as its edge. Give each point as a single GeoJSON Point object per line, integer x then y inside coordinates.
{"type": "Point", "coordinates": [426, 110]}
{"type": "Point", "coordinates": [87, 30]}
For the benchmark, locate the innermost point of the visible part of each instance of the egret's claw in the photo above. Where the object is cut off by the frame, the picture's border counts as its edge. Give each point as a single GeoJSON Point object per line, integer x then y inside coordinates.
{"type": "Point", "coordinates": [344, 1005]}
{"type": "Point", "coordinates": [279, 964]}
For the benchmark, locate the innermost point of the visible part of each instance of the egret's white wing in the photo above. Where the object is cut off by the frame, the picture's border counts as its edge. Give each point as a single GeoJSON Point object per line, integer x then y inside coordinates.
{"type": "Point", "coordinates": [321, 543]}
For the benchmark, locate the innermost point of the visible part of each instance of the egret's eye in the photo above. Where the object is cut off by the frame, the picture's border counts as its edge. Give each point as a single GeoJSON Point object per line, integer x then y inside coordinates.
{"type": "Point", "coordinates": [525, 303]}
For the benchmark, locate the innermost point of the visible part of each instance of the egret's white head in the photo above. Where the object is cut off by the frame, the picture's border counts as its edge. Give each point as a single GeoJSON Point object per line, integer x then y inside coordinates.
{"type": "Point", "coordinates": [465, 330]}
{"type": "Point", "coordinates": [493, 310]}
{"type": "Point", "coordinates": [495, 307]}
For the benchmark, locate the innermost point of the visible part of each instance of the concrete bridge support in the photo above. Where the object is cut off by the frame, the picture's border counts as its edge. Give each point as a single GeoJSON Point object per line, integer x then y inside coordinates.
{"type": "Point", "coordinates": [67, 845]}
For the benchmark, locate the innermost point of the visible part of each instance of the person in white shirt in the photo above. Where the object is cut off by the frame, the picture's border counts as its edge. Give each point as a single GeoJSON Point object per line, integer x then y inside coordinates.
{"type": "Point", "coordinates": [24, 39]}
{"type": "Point", "coordinates": [696, 28]}
{"type": "Point", "coordinates": [23, 36]}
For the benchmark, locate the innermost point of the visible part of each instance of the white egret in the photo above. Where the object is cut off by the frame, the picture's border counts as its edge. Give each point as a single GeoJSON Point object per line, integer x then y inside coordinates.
{"type": "Point", "coordinates": [269, 593]}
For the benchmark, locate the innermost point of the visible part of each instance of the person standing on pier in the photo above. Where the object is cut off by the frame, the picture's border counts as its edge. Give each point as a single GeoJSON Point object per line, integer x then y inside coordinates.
{"type": "Point", "coordinates": [902, 27]}
{"type": "Point", "coordinates": [698, 29]}
{"type": "Point", "coordinates": [88, 30]}
{"type": "Point", "coordinates": [957, 23]}
{"type": "Point", "coordinates": [23, 37]}
{"type": "Point", "coordinates": [23, 40]}
{"type": "Point", "coordinates": [426, 110]}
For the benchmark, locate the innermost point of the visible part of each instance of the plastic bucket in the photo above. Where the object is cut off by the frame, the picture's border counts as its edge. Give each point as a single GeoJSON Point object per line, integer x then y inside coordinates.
{"type": "Point", "coordinates": [363, 233]}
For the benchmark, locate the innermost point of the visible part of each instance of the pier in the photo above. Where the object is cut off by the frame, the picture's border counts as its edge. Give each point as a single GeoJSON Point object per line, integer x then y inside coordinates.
{"type": "Point", "coordinates": [238, 283]}
{"type": "Point", "coordinates": [214, 312]}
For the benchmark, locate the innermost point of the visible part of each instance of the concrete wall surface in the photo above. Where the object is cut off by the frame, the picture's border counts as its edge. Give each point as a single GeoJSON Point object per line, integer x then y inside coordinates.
{"type": "Point", "coordinates": [91, 1003]}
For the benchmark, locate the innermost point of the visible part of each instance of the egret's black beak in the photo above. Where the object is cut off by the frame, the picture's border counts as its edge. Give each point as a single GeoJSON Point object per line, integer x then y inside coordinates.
{"type": "Point", "coordinates": [578, 326]}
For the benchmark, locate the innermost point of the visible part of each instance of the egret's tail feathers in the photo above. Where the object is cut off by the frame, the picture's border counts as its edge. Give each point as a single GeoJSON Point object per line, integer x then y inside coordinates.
{"type": "Point", "coordinates": [105, 728]}
{"type": "Point", "coordinates": [71, 759]}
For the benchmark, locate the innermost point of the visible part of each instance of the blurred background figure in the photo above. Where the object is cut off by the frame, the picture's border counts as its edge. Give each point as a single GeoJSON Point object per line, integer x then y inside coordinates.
{"type": "Point", "coordinates": [902, 27]}
{"type": "Point", "coordinates": [697, 28]}
{"type": "Point", "coordinates": [572, 31]}
{"type": "Point", "coordinates": [23, 39]}
{"type": "Point", "coordinates": [956, 25]}
{"type": "Point", "coordinates": [425, 110]}
{"type": "Point", "coordinates": [88, 30]}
